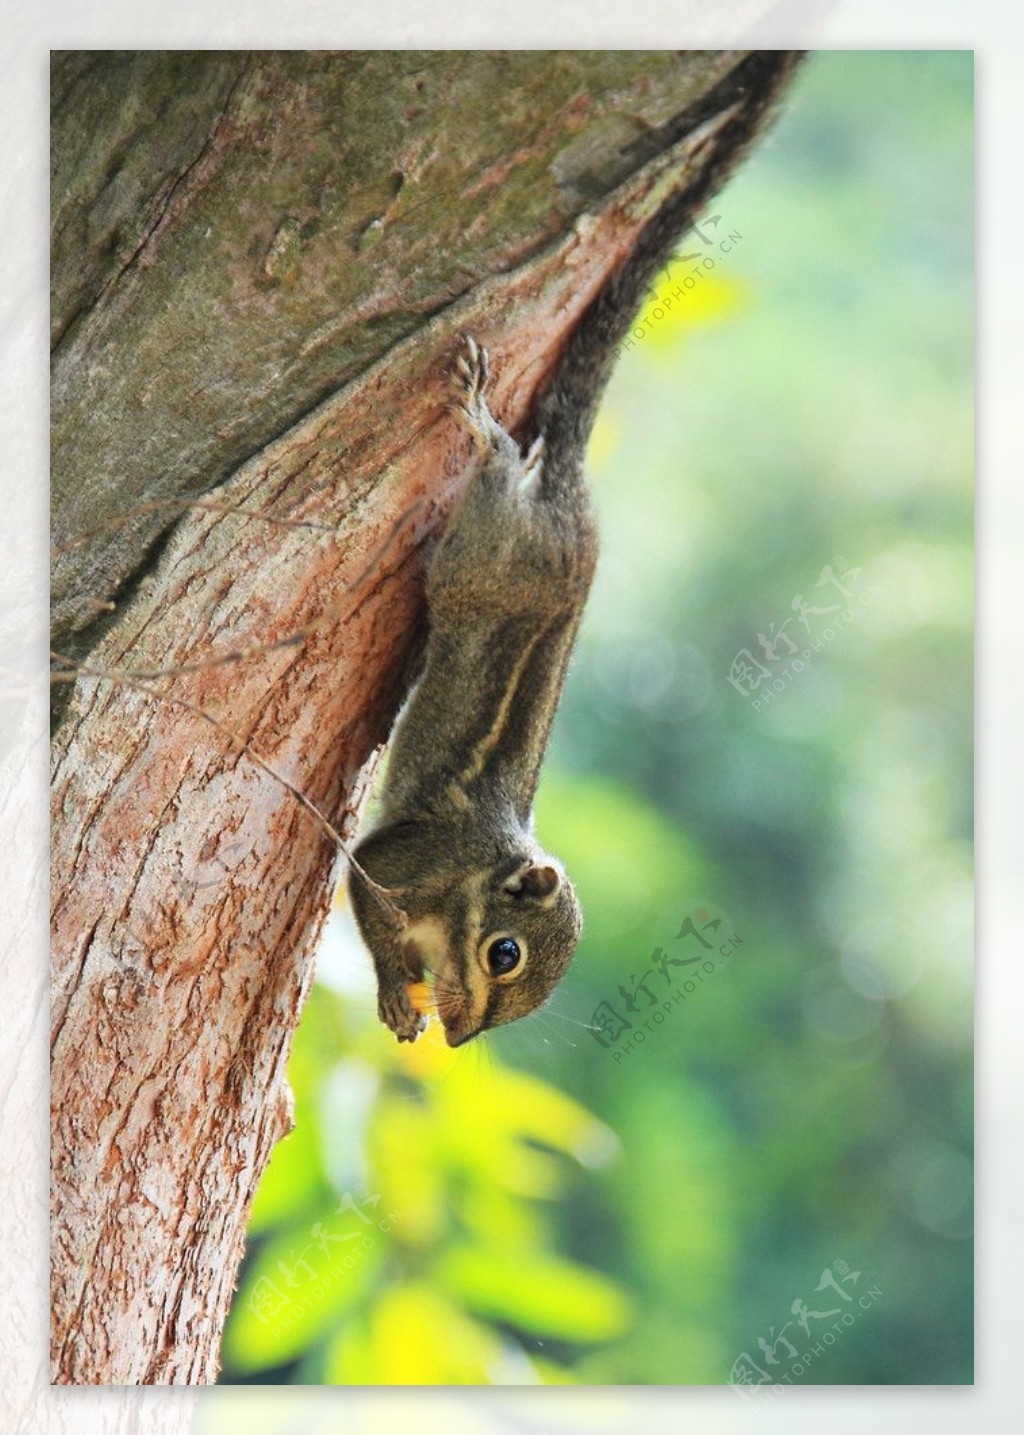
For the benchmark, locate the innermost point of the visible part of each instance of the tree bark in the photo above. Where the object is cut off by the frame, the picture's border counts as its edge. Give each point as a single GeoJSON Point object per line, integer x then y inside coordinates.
{"type": "Point", "coordinates": [261, 263]}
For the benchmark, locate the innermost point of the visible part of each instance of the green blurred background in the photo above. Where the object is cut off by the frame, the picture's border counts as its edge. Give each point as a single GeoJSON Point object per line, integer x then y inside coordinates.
{"type": "Point", "coordinates": [568, 1200]}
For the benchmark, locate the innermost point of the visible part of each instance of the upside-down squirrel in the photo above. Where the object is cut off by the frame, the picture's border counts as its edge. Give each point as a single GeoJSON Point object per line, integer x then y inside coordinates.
{"type": "Point", "coordinates": [452, 879]}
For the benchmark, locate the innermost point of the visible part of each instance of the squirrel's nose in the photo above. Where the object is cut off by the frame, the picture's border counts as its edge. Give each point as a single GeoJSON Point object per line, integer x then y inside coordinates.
{"type": "Point", "coordinates": [454, 1040]}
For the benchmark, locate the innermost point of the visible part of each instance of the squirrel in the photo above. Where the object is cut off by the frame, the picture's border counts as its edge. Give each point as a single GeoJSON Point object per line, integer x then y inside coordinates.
{"type": "Point", "coordinates": [452, 879]}
{"type": "Point", "coordinates": [490, 913]}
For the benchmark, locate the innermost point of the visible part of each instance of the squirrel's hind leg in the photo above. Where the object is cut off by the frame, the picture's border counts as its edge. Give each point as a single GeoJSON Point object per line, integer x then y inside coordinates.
{"type": "Point", "coordinates": [469, 379]}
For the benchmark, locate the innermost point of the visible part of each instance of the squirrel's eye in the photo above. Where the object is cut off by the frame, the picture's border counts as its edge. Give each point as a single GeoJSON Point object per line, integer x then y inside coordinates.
{"type": "Point", "coordinates": [503, 956]}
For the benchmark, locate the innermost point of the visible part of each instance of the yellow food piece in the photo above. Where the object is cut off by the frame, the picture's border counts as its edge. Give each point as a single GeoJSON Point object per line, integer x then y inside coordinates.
{"type": "Point", "coordinates": [420, 996]}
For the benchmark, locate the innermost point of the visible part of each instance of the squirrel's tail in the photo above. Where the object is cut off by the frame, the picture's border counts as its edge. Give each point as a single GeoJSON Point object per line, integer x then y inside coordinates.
{"type": "Point", "coordinates": [565, 412]}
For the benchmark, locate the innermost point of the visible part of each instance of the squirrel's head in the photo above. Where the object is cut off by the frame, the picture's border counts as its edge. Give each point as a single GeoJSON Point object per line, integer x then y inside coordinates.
{"type": "Point", "coordinates": [501, 945]}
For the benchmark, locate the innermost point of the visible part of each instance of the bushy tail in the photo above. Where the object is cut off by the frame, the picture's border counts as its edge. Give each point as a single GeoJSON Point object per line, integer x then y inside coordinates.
{"type": "Point", "coordinates": [566, 410]}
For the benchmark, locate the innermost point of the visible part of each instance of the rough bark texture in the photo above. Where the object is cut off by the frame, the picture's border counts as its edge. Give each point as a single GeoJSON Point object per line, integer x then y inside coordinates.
{"type": "Point", "coordinates": [260, 264]}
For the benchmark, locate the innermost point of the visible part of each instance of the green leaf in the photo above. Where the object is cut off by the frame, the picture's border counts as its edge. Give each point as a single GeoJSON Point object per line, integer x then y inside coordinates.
{"type": "Point", "coordinates": [537, 1294]}
{"type": "Point", "coordinates": [274, 1320]}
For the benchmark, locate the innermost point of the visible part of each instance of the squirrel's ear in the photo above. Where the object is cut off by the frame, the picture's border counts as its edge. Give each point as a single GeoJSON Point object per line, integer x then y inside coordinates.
{"type": "Point", "coordinates": [538, 880]}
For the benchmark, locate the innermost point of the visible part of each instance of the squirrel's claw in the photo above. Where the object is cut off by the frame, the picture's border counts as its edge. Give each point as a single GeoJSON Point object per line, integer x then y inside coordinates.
{"type": "Point", "coordinates": [533, 460]}
{"type": "Point", "coordinates": [472, 364]}
{"type": "Point", "coordinates": [470, 376]}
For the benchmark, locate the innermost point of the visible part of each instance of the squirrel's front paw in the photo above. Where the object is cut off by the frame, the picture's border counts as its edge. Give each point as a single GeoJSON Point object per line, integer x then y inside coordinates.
{"type": "Point", "coordinates": [399, 1015]}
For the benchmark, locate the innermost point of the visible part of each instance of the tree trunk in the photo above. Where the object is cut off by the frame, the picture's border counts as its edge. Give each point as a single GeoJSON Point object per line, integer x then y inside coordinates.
{"type": "Point", "coordinates": [261, 263]}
